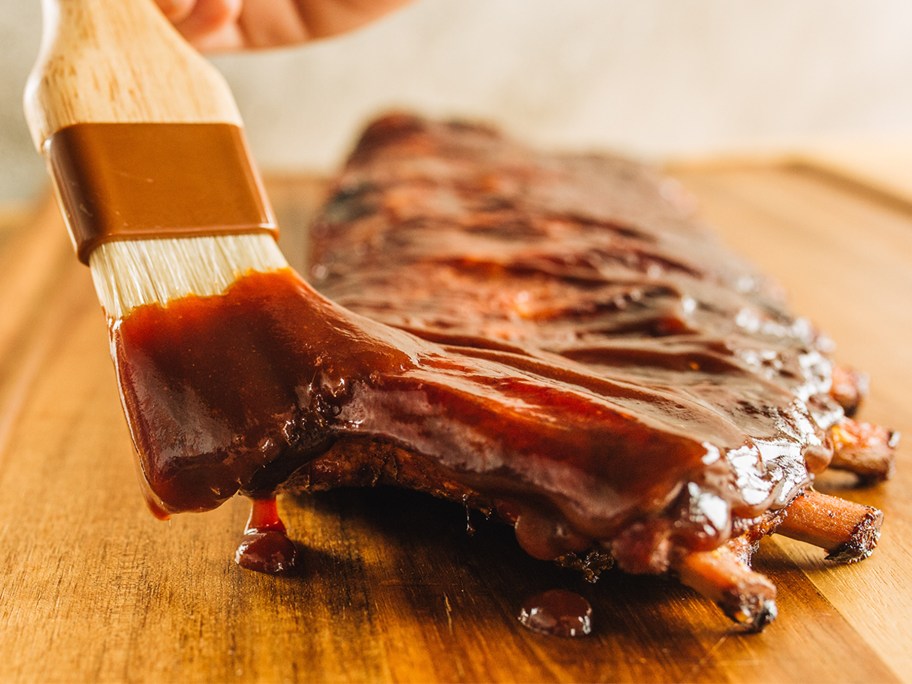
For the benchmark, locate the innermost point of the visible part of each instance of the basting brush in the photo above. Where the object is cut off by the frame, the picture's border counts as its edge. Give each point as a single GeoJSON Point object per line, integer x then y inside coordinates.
{"type": "Point", "coordinates": [153, 176]}
{"type": "Point", "coordinates": [147, 152]}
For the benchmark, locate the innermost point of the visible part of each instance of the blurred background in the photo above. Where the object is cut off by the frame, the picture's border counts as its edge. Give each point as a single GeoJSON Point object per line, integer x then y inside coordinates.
{"type": "Point", "coordinates": [655, 78]}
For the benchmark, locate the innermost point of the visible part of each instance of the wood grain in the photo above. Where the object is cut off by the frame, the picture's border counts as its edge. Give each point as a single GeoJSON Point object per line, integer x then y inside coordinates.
{"type": "Point", "coordinates": [394, 589]}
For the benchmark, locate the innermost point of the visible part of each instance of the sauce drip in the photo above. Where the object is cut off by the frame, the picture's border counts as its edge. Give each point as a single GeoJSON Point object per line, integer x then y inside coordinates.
{"type": "Point", "coordinates": [266, 547]}
{"type": "Point", "coordinates": [557, 612]}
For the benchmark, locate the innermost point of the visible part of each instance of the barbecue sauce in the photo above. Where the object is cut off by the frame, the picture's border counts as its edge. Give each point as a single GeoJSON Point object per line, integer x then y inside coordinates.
{"type": "Point", "coordinates": [236, 392]}
{"type": "Point", "coordinates": [588, 365]}
{"type": "Point", "coordinates": [240, 392]}
{"type": "Point", "coordinates": [233, 392]}
{"type": "Point", "coordinates": [557, 612]}
{"type": "Point", "coordinates": [266, 547]}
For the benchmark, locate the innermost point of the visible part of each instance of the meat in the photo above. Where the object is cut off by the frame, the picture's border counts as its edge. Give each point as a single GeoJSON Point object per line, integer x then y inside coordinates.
{"type": "Point", "coordinates": [555, 339]}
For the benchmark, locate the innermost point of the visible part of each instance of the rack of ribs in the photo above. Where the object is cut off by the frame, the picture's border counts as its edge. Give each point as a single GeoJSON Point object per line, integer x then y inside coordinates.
{"type": "Point", "coordinates": [553, 339]}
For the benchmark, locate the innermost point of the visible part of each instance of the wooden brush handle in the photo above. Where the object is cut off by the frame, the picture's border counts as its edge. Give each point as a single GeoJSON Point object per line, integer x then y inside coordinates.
{"type": "Point", "coordinates": [119, 61]}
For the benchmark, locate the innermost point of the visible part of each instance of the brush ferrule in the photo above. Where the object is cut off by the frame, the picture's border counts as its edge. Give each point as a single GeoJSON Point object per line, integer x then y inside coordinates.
{"type": "Point", "coordinates": [143, 181]}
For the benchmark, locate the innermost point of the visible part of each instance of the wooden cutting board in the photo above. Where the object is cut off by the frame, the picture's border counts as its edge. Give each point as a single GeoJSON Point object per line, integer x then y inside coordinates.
{"type": "Point", "coordinates": [94, 589]}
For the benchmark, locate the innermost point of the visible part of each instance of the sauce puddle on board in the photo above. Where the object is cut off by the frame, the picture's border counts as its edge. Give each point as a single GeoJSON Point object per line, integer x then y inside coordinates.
{"type": "Point", "coordinates": [266, 547]}
{"type": "Point", "coordinates": [557, 612]}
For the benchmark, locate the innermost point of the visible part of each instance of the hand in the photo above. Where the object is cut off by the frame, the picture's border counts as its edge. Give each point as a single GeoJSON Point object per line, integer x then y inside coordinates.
{"type": "Point", "coordinates": [212, 25]}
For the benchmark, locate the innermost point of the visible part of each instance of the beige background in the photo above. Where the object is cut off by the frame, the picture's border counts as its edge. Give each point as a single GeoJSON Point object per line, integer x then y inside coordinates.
{"type": "Point", "coordinates": [652, 77]}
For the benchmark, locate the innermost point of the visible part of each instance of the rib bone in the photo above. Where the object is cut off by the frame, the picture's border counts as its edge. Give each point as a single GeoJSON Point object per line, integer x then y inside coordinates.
{"type": "Point", "coordinates": [848, 531]}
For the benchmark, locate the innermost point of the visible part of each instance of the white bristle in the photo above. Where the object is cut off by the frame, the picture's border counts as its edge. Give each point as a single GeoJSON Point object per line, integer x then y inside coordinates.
{"type": "Point", "coordinates": [130, 273]}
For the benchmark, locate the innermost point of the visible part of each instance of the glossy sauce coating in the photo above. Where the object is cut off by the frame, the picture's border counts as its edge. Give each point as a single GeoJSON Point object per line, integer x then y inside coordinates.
{"type": "Point", "coordinates": [463, 237]}
{"type": "Point", "coordinates": [236, 392]}
{"type": "Point", "coordinates": [553, 336]}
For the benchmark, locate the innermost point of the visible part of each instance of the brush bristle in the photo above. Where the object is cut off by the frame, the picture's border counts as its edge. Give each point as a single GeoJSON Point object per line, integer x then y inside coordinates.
{"type": "Point", "coordinates": [130, 273]}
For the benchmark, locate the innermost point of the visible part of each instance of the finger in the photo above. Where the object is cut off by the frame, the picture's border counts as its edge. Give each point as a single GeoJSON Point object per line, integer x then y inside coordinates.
{"type": "Point", "coordinates": [228, 38]}
{"type": "Point", "coordinates": [271, 23]}
{"type": "Point", "coordinates": [176, 10]}
{"type": "Point", "coordinates": [209, 19]}
{"type": "Point", "coordinates": [324, 18]}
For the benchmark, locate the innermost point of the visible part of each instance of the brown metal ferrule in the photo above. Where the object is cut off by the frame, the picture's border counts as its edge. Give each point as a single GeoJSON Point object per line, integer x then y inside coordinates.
{"type": "Point", "coordinates": [140, 181]}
